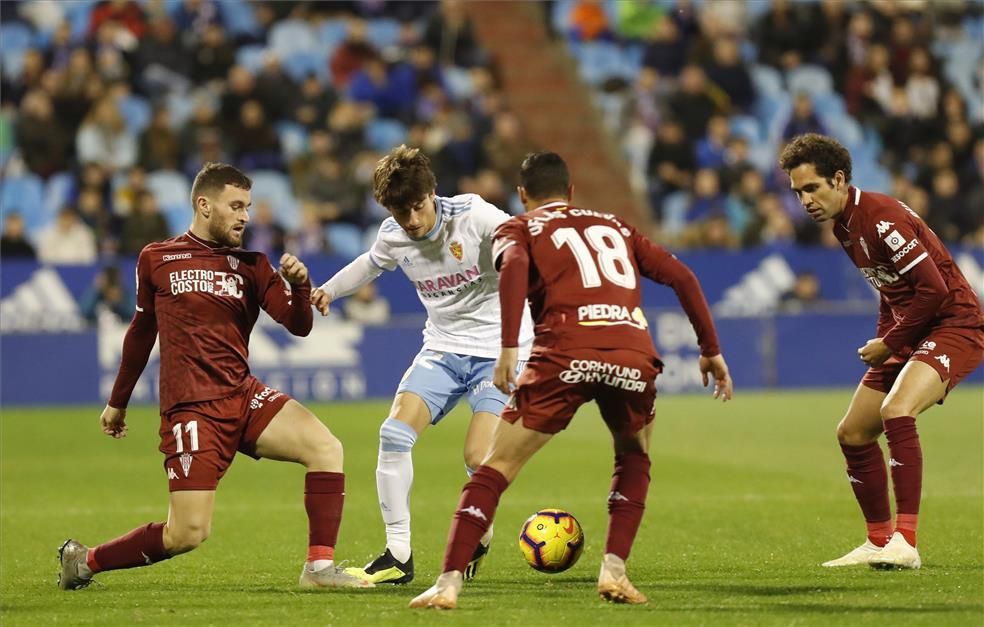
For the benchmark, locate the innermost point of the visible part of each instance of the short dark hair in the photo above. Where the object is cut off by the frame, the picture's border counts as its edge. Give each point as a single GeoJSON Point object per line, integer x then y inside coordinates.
{"type": "Point", "coordinates": [825, 153]}
{"type": "Point", "coordinates": [402, 178]}
{"type": "Point", "coordinates": [213, 177]}
{"type": "Point", "coordinates": [544, 174]}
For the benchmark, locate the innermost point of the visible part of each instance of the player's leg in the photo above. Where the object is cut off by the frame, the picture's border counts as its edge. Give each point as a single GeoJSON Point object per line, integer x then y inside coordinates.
{"type": "Point", "coordinates": [512, 446]}
{"type": "Point", "coordinates": [429, 389]}
{"type": "Point", "coordinates": [857, 434]}
{"type": "Point", "coordinates": [296, 435]}
{"type": "Point", "coordinates": [918, 387]}
{"type": "Point", "coordinates": [477, 442]}
{"type": "Point", "coordinates": [188, 524]}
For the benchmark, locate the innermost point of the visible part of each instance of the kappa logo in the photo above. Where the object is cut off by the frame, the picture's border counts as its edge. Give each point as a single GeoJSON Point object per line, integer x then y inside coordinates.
{"type": "Point", "coordinates": [233, 261]}
{"type": "Point", "coordinates": [892, 462]}
{"type": "Point", "coordinates": [882, 227]}
{"type": "Point", "coordinates": [175, 257]}
{"type": "Point", "coordinates": [615, 495]}
{"type": "Point", "coordinates": [853, 479]}
{"type": "Point", "coordinates": [456, 250]}
{"type": "Point", "coordinates": [171, 474]}
{"type": "Point", "coordinates": [146, 557]}
{"type": "Point", "coordinates": [186, 463]}
{"type": "Point", "coordinates": [945, 360]}
{"type": "Point", "coordinates": [474, 511]}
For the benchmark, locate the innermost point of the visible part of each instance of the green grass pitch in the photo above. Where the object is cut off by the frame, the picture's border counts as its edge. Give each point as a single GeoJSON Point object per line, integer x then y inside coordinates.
{"type": "Point", "coordinates": [746, 500]}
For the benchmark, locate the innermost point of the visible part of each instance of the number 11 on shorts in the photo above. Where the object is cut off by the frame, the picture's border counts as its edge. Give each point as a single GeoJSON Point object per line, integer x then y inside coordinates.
{"type": "Point", "coordinates": [191, 428]}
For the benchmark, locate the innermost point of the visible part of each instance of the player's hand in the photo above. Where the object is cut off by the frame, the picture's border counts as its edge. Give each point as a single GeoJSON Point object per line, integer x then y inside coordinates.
{"type": "Point", "coordinates": [504, 378]}
{"type": "Point", "coordinates": [320, 300]}
{"type": "Point", "coordinates": [292, 269]}
{"type": "Point", "coordinates": [113, 422]}
{"type": "Point", "coordinates": [874, 352]}
{"type": "Point", "coordinates": [716, 366]}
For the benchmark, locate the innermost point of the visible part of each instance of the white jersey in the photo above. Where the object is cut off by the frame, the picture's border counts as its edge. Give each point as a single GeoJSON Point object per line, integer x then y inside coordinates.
{"type": "Point", "coordinates": [451, 267]}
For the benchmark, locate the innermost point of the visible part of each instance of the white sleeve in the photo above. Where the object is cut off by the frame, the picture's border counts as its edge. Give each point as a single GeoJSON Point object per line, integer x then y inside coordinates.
{"type": "Point", "coordinates": [487, 216]}
{"type": "Point", "coordinates": [350, 278]}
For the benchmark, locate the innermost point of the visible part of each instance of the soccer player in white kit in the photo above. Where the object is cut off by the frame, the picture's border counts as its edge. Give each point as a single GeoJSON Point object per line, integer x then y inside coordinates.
{"type": "Point", "coordinates": [444, 247]}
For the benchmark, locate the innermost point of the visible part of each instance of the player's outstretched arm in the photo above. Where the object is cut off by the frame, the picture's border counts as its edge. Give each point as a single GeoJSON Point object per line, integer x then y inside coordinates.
{"type": "Point", "coordinates": [345, 282]}
{"type": "Point", "coordinates": [113, 422]}
{"type": "Point", "coordinates": [716, 367]}
{"type": "Point", "coordinates": [321, 301]}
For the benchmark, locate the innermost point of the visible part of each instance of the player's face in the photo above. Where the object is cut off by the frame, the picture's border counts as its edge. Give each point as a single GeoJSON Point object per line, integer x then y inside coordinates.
{"type": "Point", "coordinates": [822, 198]}
{"type": "Point", "coordinates": [228, 216]}
{"type": "Point", "coordinates": [418, 219]}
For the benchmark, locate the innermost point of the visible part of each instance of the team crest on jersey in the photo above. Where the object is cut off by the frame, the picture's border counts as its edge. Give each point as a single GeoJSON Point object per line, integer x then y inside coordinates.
{"type": "Point", "coordinates": [233, 261]}
{"type": "Point", "coordinates": [456, 249]}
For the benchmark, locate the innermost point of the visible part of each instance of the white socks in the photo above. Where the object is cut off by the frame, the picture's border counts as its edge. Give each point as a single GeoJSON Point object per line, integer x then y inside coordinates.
{"type": "Point", "coordinates": [394, 478]}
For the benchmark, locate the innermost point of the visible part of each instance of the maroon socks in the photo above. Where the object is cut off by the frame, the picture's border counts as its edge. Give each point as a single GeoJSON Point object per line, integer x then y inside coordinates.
{"type": "Point", "coordinates": [626, 501]}
{"type": "Point", "coordinates": [324, 496]}
{"type": "Point", "coordinates": [475, 512]}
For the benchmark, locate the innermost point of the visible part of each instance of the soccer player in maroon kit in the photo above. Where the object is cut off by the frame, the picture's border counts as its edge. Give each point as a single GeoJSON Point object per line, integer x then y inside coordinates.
{"type": "Point", "coordinates": [930, 335]}
{"type": "Point", "coordinates": [591, 342]}
{"type": "Point", "coordinates": [202, 293]}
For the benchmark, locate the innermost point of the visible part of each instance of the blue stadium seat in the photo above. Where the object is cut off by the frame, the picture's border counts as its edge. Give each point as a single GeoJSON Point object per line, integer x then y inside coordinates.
{"type": "Point", "coordinates": [459, 82]}
{"type": "Point", "coordinates": [15, 36]}
{"type": "Point", "coordinates": [383, 32]}
{"type": "Point", "coordinates": [178, 218]}
{"type": "Point", "coordinates": [384, 133]}
{"type": "Point", "coordinates": [331, 33]}
{"type": "Point", "coordinates": [766, 79]}
{"type": "Point", "coordinates": [828, 104]}
{"type": "Point", "coordinates": [675, 207]}
{"type": "Point", "coordinates": [77, 13]}
{"type": "Point", "coordinates": [290, 36]}
{"type": "Point", "coordinates": [12, 62]}
{"type": "Point", "coordinates": [251, 57]}
{"type": "Point", "coordinates": [238, 18]}
{"type": "Point", "coordinates": [746, 126]}
{"type": "Point", "coordinates": [344, 239]}
{"type": "Point", "coordinates": [301, 64]}
{"type": "Point", "coordinates": [293, 138]}
{"type": "Point", "coordinates": [56, 192]}
{"type": "Point", "coordinates": [811, 79]}
{"type": "Point", "coordinates": [25, 195]}
{"type": "Point", "coordinates": [136, 111]}
{"type": "Point", "coordinates": [274, 187]}
{"type": "Point", "coordinates": [846, 129]}
{"type": "Point", "coordinates": [172, 191]}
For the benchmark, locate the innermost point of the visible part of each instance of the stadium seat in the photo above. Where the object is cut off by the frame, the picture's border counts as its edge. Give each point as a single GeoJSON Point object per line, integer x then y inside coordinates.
{"type": "Point", "coordinates": [383, 32]}
{"type": "Point", "coordinates": [384, 133]}
{"type": "Point", "coordinates": [459, 82]}
{"type": "Point", "coordinates": [238, 18]}
{"type": "Point", "coordinates": [251, 57]}
{"type": "Point", "coordinates": [845, 128]}
{"type": "Point", "coordinates": [15, 36]}
{"type": "Point", "coordinates": [136, 111]}
{"type": "Point", "coordinates": [330, 34]}
{"type": "Point", "coordinates": [301, 64]}
{"type": "Point", "coordinates": [828, 104]}
{"type": "Point", "coordinates": [12, 62]}
{"type": "Point", "coordinates": [766, 79]}
{"type": "Point", "coordinates": [274, 187]}
{"type": "Point", "coordinates": [25, 195]}
{"type": "Point", "coordinates": [178, 218]}
{"type": "Point", "coordinates": [172, 191]}
{"type": "Point", "coordinates": [746, 126]}
{"type": "Point", "coordinates": [344, 239]}
{"type": "Point", "coordinates": [810, 79]}
{"type": "Point", "coordinates": [56, 193]}
{"type": "Point", "coordinates": [292, 36]}
{"type": "Point", "coordinates": [293, 138]}
{"type": "Point", "coordinates": [675, 207]}
{"type": "Point", "coordinates": [77, 13]}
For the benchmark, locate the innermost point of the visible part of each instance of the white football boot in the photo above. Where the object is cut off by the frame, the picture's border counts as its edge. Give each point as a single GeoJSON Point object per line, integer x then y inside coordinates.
{"type": "Point", "coordinates": [897, 554]}
{"type": "Point", "coordinates": [443, 595]}
{"type": "Point", "coordinates": [614, 586]}
{"type": "Point", "coordinates": [860, 555]}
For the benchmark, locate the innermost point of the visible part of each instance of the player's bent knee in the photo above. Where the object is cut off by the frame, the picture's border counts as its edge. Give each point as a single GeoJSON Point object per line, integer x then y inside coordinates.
{"type": "Point", "coordinates": [325, 453]}
{"type": "Point", "coordinates": [894, 408]}
{"type": "Point", "coordinates": [853, 436]}
{"type": "Point", "coordinates": [183, 538]}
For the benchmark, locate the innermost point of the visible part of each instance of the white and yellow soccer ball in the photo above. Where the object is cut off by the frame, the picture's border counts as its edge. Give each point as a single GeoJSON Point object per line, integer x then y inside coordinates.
{"type": "Point", "coordinates": [551, 540]}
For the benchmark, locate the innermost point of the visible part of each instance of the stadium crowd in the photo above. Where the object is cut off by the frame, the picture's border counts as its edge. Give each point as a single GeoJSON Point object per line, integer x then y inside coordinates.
{"type": "Point", "coordinates": [109, 107]}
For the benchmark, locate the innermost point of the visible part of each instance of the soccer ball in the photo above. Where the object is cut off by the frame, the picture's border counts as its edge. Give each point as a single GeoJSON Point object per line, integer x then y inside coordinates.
{"type": "Point", "coordinates": [551, 540]}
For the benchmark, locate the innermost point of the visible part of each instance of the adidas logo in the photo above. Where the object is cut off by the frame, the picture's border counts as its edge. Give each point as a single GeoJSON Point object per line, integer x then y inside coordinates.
{"type": "Point", "coordinates": [852, 479]}
{"type": "Point", "coordinates": [760, 290]}
{"type": "Point", "coordinates": [893, 463]}
{"type": "Point", "coordinates": [41, 303]}
{"type": "Point", "coordinates": [474, 511]}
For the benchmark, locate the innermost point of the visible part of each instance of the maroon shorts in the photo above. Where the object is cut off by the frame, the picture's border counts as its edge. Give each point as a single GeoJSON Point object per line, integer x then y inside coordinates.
{"type": "Point", "coordinates": [554, 384]}
{"type": "Point", "coordinates": [199, 440]}
{"type": "Point", "coordinates": [953, 352]}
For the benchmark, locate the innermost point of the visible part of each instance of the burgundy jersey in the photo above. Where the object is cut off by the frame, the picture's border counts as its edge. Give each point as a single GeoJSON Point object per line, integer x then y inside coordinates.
{"type": "Point", "coordinates": [204, 301]}
{"type": "Point", "coordinates": [895, 251]}
{"type": "Point", "coordinates": [584, 287]}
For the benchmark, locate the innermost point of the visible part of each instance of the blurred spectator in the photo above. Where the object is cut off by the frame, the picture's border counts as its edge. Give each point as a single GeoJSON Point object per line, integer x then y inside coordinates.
{"type": "Point", "coordinates": [76, 89]}
{"type": "Point", "coordinates": [803, 119]}
{"type": "Point", "coordinates": [390, 89]}
{"type": "Point", "coordinates": [125, 12]}
{"type": "Point", "coordinates": [449, 34]}
{"type": "Point", "coordinates": [162, 65]}
{"type": "Point", "coordinates": [263, 233]}
{"type": "Point", "coordinates": [713, 233]}
{"type": "Point", "coordinates": [160, 147]}
{"type": "Point", "coordinates": [208, 148]}
{"type": "Point", "coordinates": [781, 35]}
{"type": "Point", "coordinates": [332, 194]}
{"type": "Point", "coordinates": [506, 146]}
{"type": "Point", "coordinates": [15, 87]}
{"type": "Point", "coordinates": [144, 225]}
{"type": "Point", "coordinates": [309, 239]}
{"type": "Point", "coordinates": [107, 294]}
{"type": "Point", "coordinates": [275, 90]}
{"type": "Point", "coordinates": [692, 104]}
{"type": "Point", "coordinates": [346, 123]}
{"type": "Point", "coordinates": [671, 161]}
{"type": "Point", "coordinates": [256, 145]}
{"type": "Point", "coordinates": [203, 120]}
{"type": "Point", "coordinates": [351, 54]}
{"type": "Point", "coordinates": [803, 295]}
{"type": "Point", "coordinates": [460, 156]}
{"type": "Point", "coordinates": [43, 141]}
{"type": "Point", "coordinates": [736, 162]}
{"type": "Point", "coordinates": [710, 149]}
{"type": "Point", "coordinates": [104, 139]}
{"type": "Point", "coordinates": [666, 51]}
{"type": "Point", "coordinates": [212, 56]}
{"type": "Point", "coordinates": [367, 307]}
{"type": "Point", "coordinates": [314, 101]}
{"type": "Point", "coordinates": [921, 87]}
{"type": "Point", "coordinates": [302, 166]}
{"type": "Point", "coordinates": [240, 88]}
{"type": "Point", "coordinates": [67, 241]}
{"type": "Point", "coordinates": [707, 198]}
{"type": "Point", "coordinates": [948, 217]}
{"type": "Point", "coordinates": [194, 18]}
{"type": "Point", "coordinates": [589, 21]}
{"type": "Point", "coordinates": [771, 224]}
{"type": "Point", "coordinates": [13, 242]}
{"type": "Point", "coordinates": [742, 202]}
{"type": "Point", "coordinates": [727, 71]}
{"type": "Point", "coordinates": [637, 20]}
{"type": "Point", "coordinates": [96, 215]}
{"type": "Point", "coordinates": [126, 195]}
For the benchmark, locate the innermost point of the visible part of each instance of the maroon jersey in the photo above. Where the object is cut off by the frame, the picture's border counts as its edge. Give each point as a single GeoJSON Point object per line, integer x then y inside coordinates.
{"type": "Point", "coordinates": [203, 300]}
{"type": "Point", "coordinates": [921, 287]}
{"type": "Point", "coordinates": [583, 272]}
